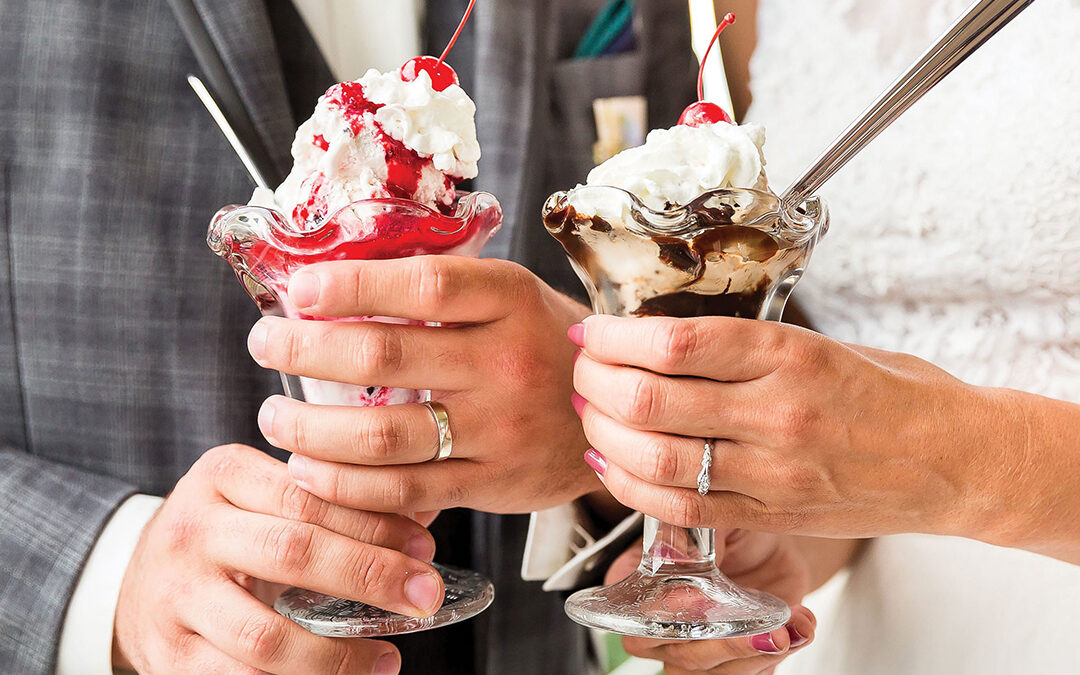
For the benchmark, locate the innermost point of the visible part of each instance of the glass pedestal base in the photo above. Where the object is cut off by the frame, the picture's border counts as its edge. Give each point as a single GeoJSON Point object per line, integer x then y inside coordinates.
{"type": "Point", "coordinates": [679, 606]}
{"type": "Point", "coordinates": [467, 594]}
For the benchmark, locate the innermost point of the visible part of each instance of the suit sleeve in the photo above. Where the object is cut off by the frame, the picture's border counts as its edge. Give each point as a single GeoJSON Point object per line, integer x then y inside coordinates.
{"type": "Point", "coordinates": [50, 517]}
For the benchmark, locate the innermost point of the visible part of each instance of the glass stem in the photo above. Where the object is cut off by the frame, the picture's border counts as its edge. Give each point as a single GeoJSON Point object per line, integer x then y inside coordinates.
{"type": "Point", "coordinates": [668, 549]}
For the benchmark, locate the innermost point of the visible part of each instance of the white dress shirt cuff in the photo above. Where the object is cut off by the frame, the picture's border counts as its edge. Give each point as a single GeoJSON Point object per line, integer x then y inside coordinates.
{"type": "Point", "coordinates": [87, 635]}
{"type": "Point", "coordinates": [563, 546]}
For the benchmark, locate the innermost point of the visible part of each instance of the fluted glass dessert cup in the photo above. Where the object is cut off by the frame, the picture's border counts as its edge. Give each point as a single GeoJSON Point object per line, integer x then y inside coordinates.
{"type": "Point", "coordinates": [265, 249]}
{"type": "Point", "coordinates": [728, 253]}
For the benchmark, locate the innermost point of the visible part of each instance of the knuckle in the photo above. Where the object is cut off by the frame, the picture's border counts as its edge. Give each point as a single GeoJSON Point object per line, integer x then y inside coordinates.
{"type": "Point", "coordinates": [293, 348]}
{"type": "Point", "coordinates": [302, 432]}
{"type": "Point", "coordinates": [796, 421]}
{"type": "Point", "coordinates": [261, 638]}
{"type": "Point", "coordinates": [402, 492]}
{"type": "Point", "coordinates": [805, 351]}
{"type": "Point", "coordinates": [368, 570]}
{"type": "Point", "coordinates": [182, 651]}
{"type": "Point", "coordinates": [643, 401]}
{"type": "Point", "coordinates": [379, 351]}
{"type": "Point", "coordinates": [685, 509]}
{"type": "Point", "coordinates": [521, 366]}
{"type": "Point", "coordinates": [381, 438]}
{"type": "Point", "coordinates": [661, 462]}
{"type": "Point", "coordinates": [216, 461]}
{"type": "Point", "coordinates": [436, 283]}
{"type": "Point", "coordinates": [289, 545]}
{"type": "Point", "coordinates": [182, 531]}
{"type": "Point", "coordinates": [300, 505]}
{"type": "Point", "coordinates": [678, 341]}
{"type": "Point", "coordinates": [785, 520]}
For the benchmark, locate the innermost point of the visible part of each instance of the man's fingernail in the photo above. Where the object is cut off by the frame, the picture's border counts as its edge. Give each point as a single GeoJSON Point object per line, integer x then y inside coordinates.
{"type": "Point", "coordinates": [578, 402]}
{"type": "Point", "coordinates": [797, 639]}
{"type": "Point", "coordinates": [422, 591]}
{"type": "Point", "coordinates": [764, 643]}
{"type": "Point", "coordinates": [388, 664]}
{"type": "Point", "coordinates": [304, 289]}
{"type": "Point", "coordinates": [257, 341]}
{"type": "Point", "coordinates": [420, 547]}
{"type": "Point", "coordinates": [266, 420]}
{"type": "Point", "coordinates": [596, 462]}
{"type": "Point", "coordinates": [298, 468]}
{"type": "Point", "coordinates": [577, 334]}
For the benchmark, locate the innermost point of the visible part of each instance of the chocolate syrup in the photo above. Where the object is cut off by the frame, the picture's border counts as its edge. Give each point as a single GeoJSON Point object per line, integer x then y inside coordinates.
{"type": "Point", "coordinates": [719, 237]}
{"type": "Point", "coordinates": [684, 304]}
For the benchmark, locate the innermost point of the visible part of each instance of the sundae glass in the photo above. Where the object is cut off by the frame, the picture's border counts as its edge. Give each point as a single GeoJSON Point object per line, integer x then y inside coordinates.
{"type": "Point", "coordinates": [265, 248]}
{"type": "Point", "coordinates": [729, 252]}
{"type": "Point", "coordinates": [685, 226]}
{"type": "Point", "coordinates": [375, 175]}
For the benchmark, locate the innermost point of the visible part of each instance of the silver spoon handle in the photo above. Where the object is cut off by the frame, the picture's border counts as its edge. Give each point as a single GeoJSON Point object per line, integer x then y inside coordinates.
{"type": "Point", "coordinates": [978, 24]}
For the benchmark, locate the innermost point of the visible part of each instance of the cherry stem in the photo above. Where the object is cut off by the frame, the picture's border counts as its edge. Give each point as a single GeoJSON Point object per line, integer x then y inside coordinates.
{"type": "Point", "coordinates": [457, 33]}
{"type": "Point", "coordinates": [728, 20]}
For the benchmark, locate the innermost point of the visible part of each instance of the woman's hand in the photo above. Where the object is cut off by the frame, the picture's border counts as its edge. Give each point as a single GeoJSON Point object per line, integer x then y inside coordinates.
{"type": "Point", "coordinates": [814, 436]}
{"type": "Point", "coordinates": [766, 562]}
{"type": "Point", "coordinates": [500, 364]}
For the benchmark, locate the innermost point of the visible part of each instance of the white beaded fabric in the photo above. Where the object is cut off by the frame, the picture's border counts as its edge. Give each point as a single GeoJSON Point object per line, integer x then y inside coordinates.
{"type": "Point", "coordinates": [955, 237]}
{"type": "Point", "coordinates": [956, 234]}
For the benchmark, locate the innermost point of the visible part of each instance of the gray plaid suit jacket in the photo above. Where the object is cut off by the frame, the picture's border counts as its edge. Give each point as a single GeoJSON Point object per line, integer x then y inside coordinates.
{"type": "Point", "coordinates": [122, 339]}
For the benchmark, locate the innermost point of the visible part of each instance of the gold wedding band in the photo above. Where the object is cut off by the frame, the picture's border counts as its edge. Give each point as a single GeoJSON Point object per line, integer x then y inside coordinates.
{"type": "Point", "coordinates": [445, 446]}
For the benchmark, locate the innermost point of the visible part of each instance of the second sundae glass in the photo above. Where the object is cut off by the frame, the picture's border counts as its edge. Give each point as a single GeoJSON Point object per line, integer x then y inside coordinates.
{"type": "Point", "coordinates": [730, 252]}
{"type": "Point", "coordinates": [265, 249]}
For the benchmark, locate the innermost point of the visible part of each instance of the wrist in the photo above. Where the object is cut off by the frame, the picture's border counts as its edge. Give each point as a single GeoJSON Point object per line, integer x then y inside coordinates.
{"type": "Point", "coordinates": [995, 504]}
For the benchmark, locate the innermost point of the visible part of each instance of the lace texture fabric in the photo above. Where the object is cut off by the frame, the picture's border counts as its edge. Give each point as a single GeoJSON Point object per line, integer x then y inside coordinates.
{"type": "Point", "coordinates": [956, 234]}
{"type": "Point", "coordinates": [956, 238]}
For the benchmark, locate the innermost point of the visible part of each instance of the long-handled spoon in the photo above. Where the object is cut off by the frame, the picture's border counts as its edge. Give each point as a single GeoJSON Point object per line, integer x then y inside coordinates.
{"type": "Point", "coordinates": [978, 24]}
{"type": "Point", "coordinates": [230, 135]}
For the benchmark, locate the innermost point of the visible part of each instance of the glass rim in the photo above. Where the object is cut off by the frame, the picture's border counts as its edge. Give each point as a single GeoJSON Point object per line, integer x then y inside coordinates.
{"type": "Point", "coordinates": [283, 232]}
{"type": "Point", "coordinates": [795, 224]}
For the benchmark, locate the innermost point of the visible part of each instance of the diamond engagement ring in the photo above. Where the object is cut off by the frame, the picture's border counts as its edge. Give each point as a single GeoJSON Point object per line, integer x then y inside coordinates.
{"type": "Point", "coordinates": [445, 445]}
{"type": "Point", "coordinates": [704, 479]}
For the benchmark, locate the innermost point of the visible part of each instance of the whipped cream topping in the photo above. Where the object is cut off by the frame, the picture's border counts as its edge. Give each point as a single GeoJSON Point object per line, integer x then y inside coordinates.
{"type": "Point", "coordinates": [378, 137]}
{"type": "Point", "coordinates": [436, 124]}
{"type": "Point", "coordinates": [677, 165]}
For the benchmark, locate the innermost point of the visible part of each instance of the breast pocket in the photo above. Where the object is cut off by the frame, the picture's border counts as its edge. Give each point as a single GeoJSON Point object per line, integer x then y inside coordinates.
{"type": "Point", "coordinates": [576, 84]}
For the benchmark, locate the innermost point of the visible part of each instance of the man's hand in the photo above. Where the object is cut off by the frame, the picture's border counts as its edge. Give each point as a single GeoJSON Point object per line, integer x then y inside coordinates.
{"type": "Point", "coordinates": [195, 596]}
{"type": "Point", "coordinates": [765, 562]}
{"type": "Point", "coordinates": [499, 362]}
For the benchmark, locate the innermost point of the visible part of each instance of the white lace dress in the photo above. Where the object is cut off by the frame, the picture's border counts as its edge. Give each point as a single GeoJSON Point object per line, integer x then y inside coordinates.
{"type": "Point", "coordinates": [955, 237]}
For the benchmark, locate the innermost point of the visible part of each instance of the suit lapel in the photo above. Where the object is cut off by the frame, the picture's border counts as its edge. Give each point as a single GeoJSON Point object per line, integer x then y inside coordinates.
{"type": "Point", "coordinates": [512, 63]}
{"type": "Point", "coordinates": [242, 35]}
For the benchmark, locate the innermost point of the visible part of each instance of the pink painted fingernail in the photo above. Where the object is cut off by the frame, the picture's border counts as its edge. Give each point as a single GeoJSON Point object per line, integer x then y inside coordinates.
{"type": "Point", "coordinates": [298, 468]}
{"type": "Point", "coordinates": [422, 591]}
{"type": "Point", "coordinates": [388, 664]}
{"type": "Point", "coordinates": [577, 355]}
{"type": "Point", "coordinates": [579, 403]}
{"type": "Point", "coordinates": [797, 639]}
{"type": "Point", "coordinates": [764, 643]}
{"type": "Point", "coordinates": [257, 340]}
{"type": "Point", "coordinates": [304, 289]}
{"type": "Point", "coordinates": [577, 334]}
{"type": "Point", "coordinates": [596, 462]}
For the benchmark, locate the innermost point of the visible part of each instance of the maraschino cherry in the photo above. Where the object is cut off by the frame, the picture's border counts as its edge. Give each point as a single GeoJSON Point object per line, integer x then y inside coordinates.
{"type": "Point", "coordinates": [702, 112]}
{"type": "Point", "coordinates": [441, 74]}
